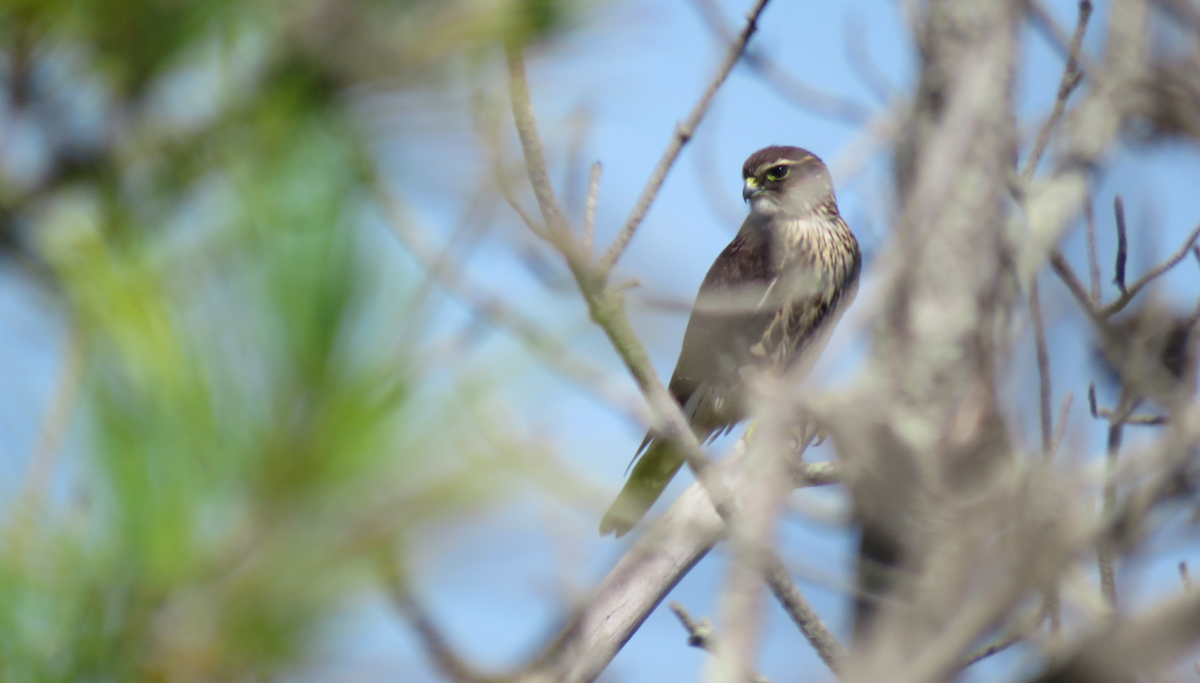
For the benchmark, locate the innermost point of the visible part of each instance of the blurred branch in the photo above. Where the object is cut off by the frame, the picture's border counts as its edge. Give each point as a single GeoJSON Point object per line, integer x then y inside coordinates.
{"type": "Point", "coordinates": [1126, 648]}
{"type": "Point", "coordinates": [541, 344]}
{"type": "Point", "coordinates": [435, 644]}
{"type": "Point", "coordinates": [1106, 552]}
{"type": "Point", "coordinates": [1019, 632]}
{"type": "Point", "coordinates": [1050, 602]}
{"type": "Point", "coordinates": [589, 209]}
{"type": "Point", "coordinates": [803, 615]}
{"type": "Point", "coordinates": [55, 422]}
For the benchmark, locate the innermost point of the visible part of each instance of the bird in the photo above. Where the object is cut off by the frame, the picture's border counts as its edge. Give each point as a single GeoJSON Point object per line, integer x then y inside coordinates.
{"type": "Point", "coordinates": [769, 302]}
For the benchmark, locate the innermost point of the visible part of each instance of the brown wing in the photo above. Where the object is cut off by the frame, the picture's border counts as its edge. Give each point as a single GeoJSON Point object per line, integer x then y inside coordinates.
{"type": "Point", "coordinates": [725, 323]}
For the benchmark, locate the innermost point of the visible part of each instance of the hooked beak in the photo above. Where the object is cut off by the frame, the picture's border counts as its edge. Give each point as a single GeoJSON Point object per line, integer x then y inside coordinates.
{"type": "Point", "coordinates": [751, 189]}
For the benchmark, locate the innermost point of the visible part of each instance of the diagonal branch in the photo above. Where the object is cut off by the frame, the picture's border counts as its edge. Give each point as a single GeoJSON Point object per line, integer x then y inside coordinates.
{"type": "Point", "coordinates": [683, 133]}
{"type": "Point", "coordinates": [1071, 78]}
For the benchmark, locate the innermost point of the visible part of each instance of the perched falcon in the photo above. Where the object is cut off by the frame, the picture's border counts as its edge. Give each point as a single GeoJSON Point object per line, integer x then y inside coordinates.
{"type": "Point", "coordinates": [769, 302]}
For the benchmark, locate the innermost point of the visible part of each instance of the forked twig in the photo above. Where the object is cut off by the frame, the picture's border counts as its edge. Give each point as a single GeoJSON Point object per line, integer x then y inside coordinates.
{"type": "Point", "coordinates": [1151, 275]}
{"type": "Point", "coordinates": [1071, 78]}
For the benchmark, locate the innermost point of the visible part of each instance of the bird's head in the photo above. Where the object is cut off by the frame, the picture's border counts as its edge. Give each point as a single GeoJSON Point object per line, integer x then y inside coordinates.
{"type": "Point", "coordinates": [786, 180]}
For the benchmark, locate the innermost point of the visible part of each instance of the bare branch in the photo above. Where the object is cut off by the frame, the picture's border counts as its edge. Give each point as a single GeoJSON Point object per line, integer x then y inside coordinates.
{"type": "Point", "coordinates": [683, 133]}
{"type": "Point", "coordinates": [1060, 266]}
{"type": "Point", "coordinates": [1154, 273]}
{"type": "Point", "coordinates": [1071, 78]}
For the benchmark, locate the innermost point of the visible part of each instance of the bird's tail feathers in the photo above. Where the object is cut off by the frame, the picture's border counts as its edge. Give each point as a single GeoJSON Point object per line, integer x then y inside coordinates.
{"type": "Point", "coordinates": [651, 474]}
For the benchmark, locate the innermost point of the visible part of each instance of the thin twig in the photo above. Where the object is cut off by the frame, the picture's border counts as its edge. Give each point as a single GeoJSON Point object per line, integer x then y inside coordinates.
{"type": "Point", "coordinates": [1122, 245]}
{"type": "Point", "coordinates": [589, 210]}
{"type": "Point", "coordinates": [1067, 274]}
{"type": "Point", "coordinates": [1093, 255]}
{"type": "Point", "coordinates": [1056, 34]}
{"type": "Point", "coordinates": [683, 133]}
{"type": "Point", "coordinates": [1071, 78]}
{"type": "Point", "coordinates": [1061, 429]}
{"type": "Point", "coordinates": [702, 635]}
{"type": "Point", "coordinates": [1154, 273]}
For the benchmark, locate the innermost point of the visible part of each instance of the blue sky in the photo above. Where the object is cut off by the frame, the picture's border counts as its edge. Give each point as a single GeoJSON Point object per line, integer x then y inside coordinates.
{"type": "Point", "coordinates": [635, 67]}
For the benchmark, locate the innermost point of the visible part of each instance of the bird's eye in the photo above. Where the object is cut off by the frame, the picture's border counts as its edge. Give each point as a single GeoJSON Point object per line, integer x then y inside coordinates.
{"type": "Point", "coordinates": [778, 172]}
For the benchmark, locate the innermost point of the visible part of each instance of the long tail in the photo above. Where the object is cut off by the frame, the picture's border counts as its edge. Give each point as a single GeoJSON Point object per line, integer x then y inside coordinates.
{"type": "Point", "coordinates": [650, 476]}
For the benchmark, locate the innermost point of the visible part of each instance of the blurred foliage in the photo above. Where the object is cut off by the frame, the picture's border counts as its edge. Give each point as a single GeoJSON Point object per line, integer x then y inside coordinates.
{"type": "Point", "coordinates": [190, 180]}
